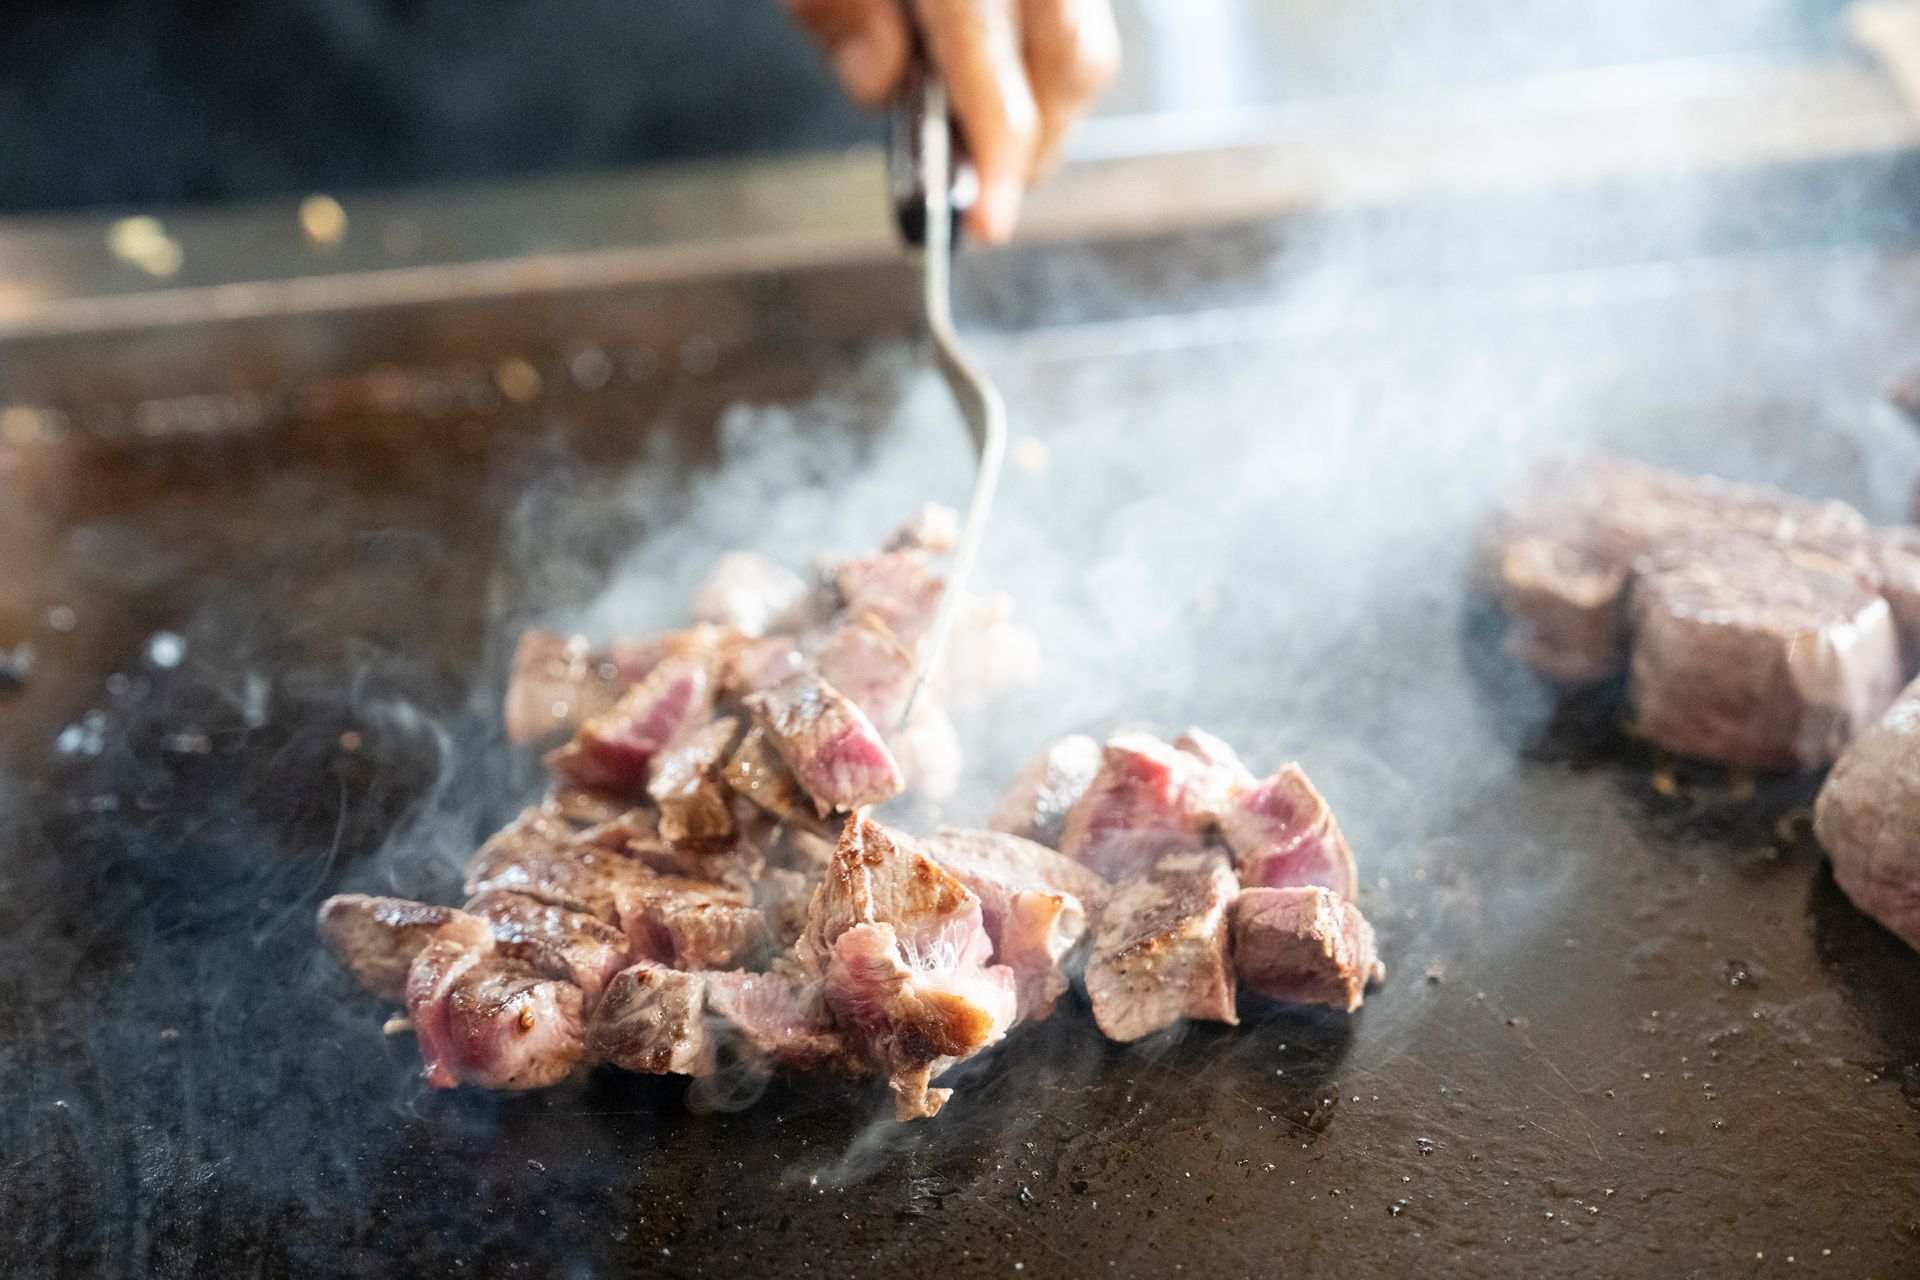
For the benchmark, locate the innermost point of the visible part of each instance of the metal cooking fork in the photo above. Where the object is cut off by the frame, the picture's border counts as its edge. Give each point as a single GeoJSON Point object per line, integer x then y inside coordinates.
{"type": "Point", "coordinates": [933, 185]}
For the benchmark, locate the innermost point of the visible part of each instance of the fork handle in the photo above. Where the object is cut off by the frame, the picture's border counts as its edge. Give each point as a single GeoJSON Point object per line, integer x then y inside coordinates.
{"type": "Point", "coordinates": [907, 163]}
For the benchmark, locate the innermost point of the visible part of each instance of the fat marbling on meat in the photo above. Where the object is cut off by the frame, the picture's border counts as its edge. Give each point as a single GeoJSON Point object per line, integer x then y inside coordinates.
{"type": "Point", "coordinates": [900, 946]}
{"type": "Point", "coordinates": [1868, 819]}
{"type": "Point", "coordinates": [1161, 949]}
{"type": "Point", "coordinates": [1304, 946]}
{"type": "Point", "coordinates": [1758, 655]}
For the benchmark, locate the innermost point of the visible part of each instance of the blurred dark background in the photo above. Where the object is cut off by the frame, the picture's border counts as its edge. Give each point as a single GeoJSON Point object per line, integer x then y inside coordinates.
{"type": "Point", "coordinates": [160, 102]}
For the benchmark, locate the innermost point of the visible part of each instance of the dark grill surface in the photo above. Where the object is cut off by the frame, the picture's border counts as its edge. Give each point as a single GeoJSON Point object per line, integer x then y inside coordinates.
{"type": "Point", "coordinates": [1629, 1027]}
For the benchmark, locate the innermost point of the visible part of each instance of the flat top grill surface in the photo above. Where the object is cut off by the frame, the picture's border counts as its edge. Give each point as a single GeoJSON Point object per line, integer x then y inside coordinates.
{"type": "Point", "coordinates": [1629, 1025]}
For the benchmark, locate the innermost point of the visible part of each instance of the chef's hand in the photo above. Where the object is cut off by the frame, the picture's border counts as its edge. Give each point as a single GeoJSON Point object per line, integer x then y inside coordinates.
{"type": "Point", "coordinates": [1018, 72]}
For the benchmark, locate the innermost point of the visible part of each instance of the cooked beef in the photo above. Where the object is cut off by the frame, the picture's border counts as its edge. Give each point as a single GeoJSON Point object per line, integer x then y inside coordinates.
{"type": "Point", "coordinates": [733, 864]}
{"type": "Point", "coordinates": [1146, 800]}
{"type": "Point", "coordinates": [1283, 835]}
{"type": "Point", "coordinates": [1303, 946]}
{"type": "Point", "coordinates": [1897, 561]}
{"type": "Point", "coordinates": [1562, 555]}
{"type": "Point", "coordinates": [1758, 655]}
{"type": "Point", "coordinates": [901, 948]}
{"type": "Point", "coordinates": [653, 1020]}
{"type": "Point", "coordinates": [1866, 818]}
{"type": "Point", "coordinates": [1035, 807]}
{"type": "Point", "coordinates": [827, 743]}
{"type": "Point", "coordinates": [934, 529]}
{"type": "Point", "coordinates": [558, 943]}
{"type": "Point", "coordinates": [1160, 950]}
{"type": "Point", "coordinates": [864, 661]}
{"type": "Point", "coordinates": [612, 751]}
{"type": "Point", "coordinates": [757, 773]}
{"type": "Point", "coordinates": [376, 939]}
{"type": "Point", "coordinates": [695, 925]}
{"type": "Point", "coordinates": [486, 1020]}
{"type": "Point", "coordinates": [555, 683]}
{"type": "Point", "coordinates": [584, 807]}
{"type": "Point", "coordinates": [753, 665]}
{"type": "Point", "coordinates": [781, 1018]}
{"type": "Point", "coordinates": [539, 855]}
{"type": "Point", "coordinates": [688, 785]}
{"type": "Point", "coordinates": [1034, 904]}
{"type": "Point", "coordinates": [783, 896]}
{"type": "Point", "coordinates": [901, 589]}
{"type": "Point", "coordinates": [750, 593]}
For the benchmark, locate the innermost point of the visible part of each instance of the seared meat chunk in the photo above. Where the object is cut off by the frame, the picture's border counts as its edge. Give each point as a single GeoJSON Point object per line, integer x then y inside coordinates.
{"type": "Point", "coordinates": [901, 589]}
{"type": "Point", "coordinates": [694, 925]}
{"type": "Point", "coordinates": [482, 1019]}
{"type": "Point", "coordinates": [864, 661]}
{"type": "Point", "coordinates": [1562, 555]}
{"type": "Point", "coordinates": [750, 593]}
{"type": "Point", "coordinates": [539, 855]}
{"type": "Point", "coordinates": [781, 1018]}
{"type": "Point", "coordinates": [653, 1020]}
{"type": "Point", "coordinates": [1758, 655]}
{"type": "Point", "coordinates": [901, 948]}
{"type": "Point", "coordinates": [753, 665]}
{"type": "Point", "coordinates": [1303, 946]}
{"type": "Point", "coordinates": [1036, 805]}
{"type": "Point", "coordinates": [757, 773]}
{"type": "Point", "coordinates": [1866, 819]}
{"type": "Point", "coordinates": [613, 750]}
{"type": "Point", "coordinates": [688, 785]}
{"type": "Point", "coordinates": [1147, 799]}
{"type": "Point", "coordinates": [1160, 950]}
{"type": "Point", "coordinates": [376, 939]}
{"type": "Point", "coordinates": [1034, 904]}
{"type": "Point", "coordinates": [559, 943]}
{"type": "Point", "coordinates": [556, 682]}
{"type": "Point", "coordinates": [827, 743]}
{"type": "Point", "coordinates": [1283, 835]}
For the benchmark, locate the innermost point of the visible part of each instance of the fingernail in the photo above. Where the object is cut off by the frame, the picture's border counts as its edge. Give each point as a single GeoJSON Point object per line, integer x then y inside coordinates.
{"type": "Point", "coordinates": [858, 63]}
{"type": "Point", "coordinates": [999, 209]}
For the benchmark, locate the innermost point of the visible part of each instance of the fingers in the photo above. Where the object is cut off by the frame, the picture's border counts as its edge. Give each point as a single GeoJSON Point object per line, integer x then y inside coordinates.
{"type": "Point", "coordinates": [866, 40]}
{"type": "Point", "coordinates": [976, 49]}
{"type": "Point", "coordinates": [1072, 51]}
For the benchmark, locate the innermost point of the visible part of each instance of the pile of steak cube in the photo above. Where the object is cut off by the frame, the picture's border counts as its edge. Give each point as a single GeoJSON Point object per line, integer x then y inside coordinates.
{"type": "Point", "coordinates": [703, 883]}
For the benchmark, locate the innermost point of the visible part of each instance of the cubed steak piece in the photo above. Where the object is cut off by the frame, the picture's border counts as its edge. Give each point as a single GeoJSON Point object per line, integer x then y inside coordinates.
{"type": "Point", "coordinates": [1147, 799]}
{"type": "Point", "coordinates": [614, 750]}
{"type": "Point", "coordinates": [556, 682]}
{"type": "Point", "coordinates": [1758, 655]}
{"type": "Point", "coordinates": [558, 943]}
{"type": "Point", "coordinates": [753, 665]}
{"type": "Point", "coordinates": [1160, 951]}
{"type": "Point", "coordinates": [689, 786]}
{"type": "Point", "coordinates": [781, 1018]}
{"type": "Point", "coordinates": [827, 743]}
{"type": "Point", "coordinates": [1868, 818]}
{"type": "Point", "coordinates": [376, 939]}
{"type": "Point", "coordinates": [1034, 904]}
{"type": "Point", "coordinates": [900, 946]}
{"type": "Point", "coordinates": [489, 1021]}
{"type": "Point", "coordinates": [694, 925]}
{"type": "Point", "coordinates": [1562, 554]}
{"type": "Point", "coordinates": [1035, 807]}
{"type": "Point", "coordinates": [539, 855]}
{"type": "Point", "coordinates": [1304, 946]}
{"type": "Point", "coordinates": [864, 661]}
{"type": "Point", "coordinates": [901, 589]}
{"type": "Point", "coordinates": [749, 592]}
{"type": "Point", "coordinates": [758, 774]}
{"type": "Point", "coordinates": [1283, 835]}
{"type": "Point", "coordinates": [653, 1019]}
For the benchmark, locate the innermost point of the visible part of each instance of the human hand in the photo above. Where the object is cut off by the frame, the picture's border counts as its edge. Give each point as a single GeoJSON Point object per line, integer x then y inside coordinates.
{"type": "Point", "coordinates": [1019, 74]}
